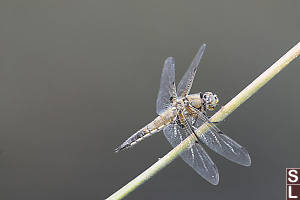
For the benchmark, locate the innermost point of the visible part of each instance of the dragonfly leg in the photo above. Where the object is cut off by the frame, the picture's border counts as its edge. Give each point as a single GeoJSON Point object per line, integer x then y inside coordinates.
{"type": "Point", "coordinates": [198, 139]}
{"type": "Point", "coordinates": [178, 122]}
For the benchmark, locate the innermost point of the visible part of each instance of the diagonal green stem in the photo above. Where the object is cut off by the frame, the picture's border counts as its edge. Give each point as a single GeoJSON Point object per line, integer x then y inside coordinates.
{"type": "Point", "coordinates": [219, 116]}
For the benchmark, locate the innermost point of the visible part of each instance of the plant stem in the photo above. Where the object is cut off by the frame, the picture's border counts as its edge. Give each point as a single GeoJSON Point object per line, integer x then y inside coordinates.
{"type": "Point", "coordinates": [219, 116]}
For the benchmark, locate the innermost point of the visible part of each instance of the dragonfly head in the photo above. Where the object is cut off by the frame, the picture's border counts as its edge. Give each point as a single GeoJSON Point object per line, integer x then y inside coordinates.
{"type": "Point", "coordinates": [210, 100]}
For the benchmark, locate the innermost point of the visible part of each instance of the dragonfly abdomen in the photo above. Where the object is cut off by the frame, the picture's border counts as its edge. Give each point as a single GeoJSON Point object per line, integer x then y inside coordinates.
{"type": "Point", "coordinates": [156, 125]}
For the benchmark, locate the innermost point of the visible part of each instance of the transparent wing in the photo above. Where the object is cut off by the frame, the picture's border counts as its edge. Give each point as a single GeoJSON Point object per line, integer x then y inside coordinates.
{"type": "Point", "coordinates": [167, 86]}
{"type": "Point", "coordinates": [186, 82]}
{"type": "Point", "coordinates": [195, 156]}
{"type": "Point", "coordinates": [222, 144]}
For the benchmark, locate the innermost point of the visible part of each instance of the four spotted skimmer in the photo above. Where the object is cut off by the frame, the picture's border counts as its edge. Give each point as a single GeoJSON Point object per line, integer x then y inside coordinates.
{"type": "Point", "coordinates": [181, 113]}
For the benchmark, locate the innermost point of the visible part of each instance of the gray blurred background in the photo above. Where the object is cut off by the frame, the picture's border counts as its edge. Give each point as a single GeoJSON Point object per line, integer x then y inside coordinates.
{"type": "Point", "coordinates": [79, 77]}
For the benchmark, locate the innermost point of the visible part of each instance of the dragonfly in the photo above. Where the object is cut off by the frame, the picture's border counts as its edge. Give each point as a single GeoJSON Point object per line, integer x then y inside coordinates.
{"type": "Point", "coordinates": [180, 114]}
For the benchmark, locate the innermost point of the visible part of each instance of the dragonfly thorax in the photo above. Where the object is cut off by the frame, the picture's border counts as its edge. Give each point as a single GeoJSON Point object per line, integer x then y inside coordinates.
{"type": "Point", "coordinates": [180, 104]}
{"type": "Point", "coordinates": [195, 101]}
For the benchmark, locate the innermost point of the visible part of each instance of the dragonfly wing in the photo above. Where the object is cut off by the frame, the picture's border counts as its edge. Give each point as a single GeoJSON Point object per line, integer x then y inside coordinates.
{"type": "Point", "coordinates": [167, 86]}
{"type": "Point", "coordinates": [221, 143]}
{"type": "Point", "coordinates": [186, 82]}
{"type": "Point", "coordinates": [195, 156]}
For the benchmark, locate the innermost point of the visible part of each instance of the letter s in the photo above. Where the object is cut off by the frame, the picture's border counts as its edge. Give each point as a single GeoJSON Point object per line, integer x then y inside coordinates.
{"type": "Point", "coordinates": [293, 176]}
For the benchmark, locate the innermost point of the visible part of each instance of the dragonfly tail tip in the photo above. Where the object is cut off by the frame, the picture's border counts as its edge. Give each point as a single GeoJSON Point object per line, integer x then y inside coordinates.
{"type": "Point", "coordinates": [117, 150]}
{"type": "Point", "coordinates": [121, 147]}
